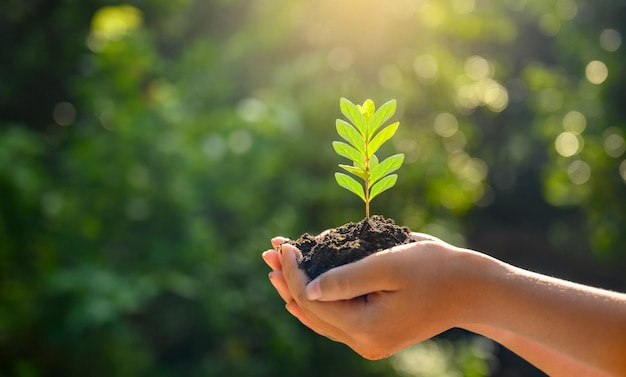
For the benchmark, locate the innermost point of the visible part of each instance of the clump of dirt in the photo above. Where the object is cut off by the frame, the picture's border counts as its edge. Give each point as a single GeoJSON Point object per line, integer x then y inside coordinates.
{"type": "Point", "coordinates": [349, 243]}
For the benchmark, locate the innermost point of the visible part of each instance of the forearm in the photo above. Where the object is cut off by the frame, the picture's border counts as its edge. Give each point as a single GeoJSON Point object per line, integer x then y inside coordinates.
{"type": "Point", "coordinates": [548, 360]}
{"type": "Point", "coordinates": [585, 324]}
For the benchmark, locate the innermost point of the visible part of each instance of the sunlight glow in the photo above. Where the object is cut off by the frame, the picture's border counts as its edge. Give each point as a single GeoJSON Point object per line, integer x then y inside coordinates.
{"type": "Point", "coordinates": [426, 67]}
{"type": "Point", "coordinates": [596, 72]}
{"type": "Point", "coordinates": [426, 358]}
{"type": "Point", "coordinates": [432, 14]}
{"type": "Point", "coordinates": [317, 34]}
{"type": "Point", "coordinates": [445, 124]}
{"type": "Point", "coordinates": [455, 143]}
{"type": "Point", "coordinates": [579, 172]}
{"type": "Point", "coordinates": [622, 170]}
{"type": "Point", "coordinates": [463, 6]}
{"type": "Point", "coordinates": [442, 357]}
{"type": "Point", "coordinates": [390, 77]}
{"type": "Point", "coordinates": [614, 144]}
{"type": "Point", "coordinates": [549, 24]}
{"type": "Point", "coordinates": [240, 141]}
{"type": "Point", "coordinates": [574, 122]}
{"type": "Point", "coordinates": [567, 144]}
{"type": "Point", "coordinates": [113, 22]}
{"type": "Point", "coordinates": [485, 92]}
{"type": "Point", "coordinates": [251, 110]}
{"type": "Point", "coordinates": [610, 40]}
{"type": "Point", "coordinates": [339, 59]}
{"type": "Point", "coordinates": [479, 68]}
{"type": "Point", "coordinates": [467, 168]}
{"type": "Point", "coordinates": [64, 114]}
{"type": "Point", "coordinates": [410, 148]}
{"type": "Point", "coordinates": [214, 147]}
{"type": "Point", "coordinates": [403, 9]}
{"type": "Point", "coordinates": [566, 9]}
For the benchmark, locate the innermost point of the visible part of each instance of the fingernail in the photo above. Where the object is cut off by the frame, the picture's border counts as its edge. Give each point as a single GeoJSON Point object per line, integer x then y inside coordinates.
{"type": "Point", "coordinates": [271, 276]}
{"type": "Point", "coordinates": [313, 291]}
{"type": "Point", "coordinates": [264, 255]}
{"type": "Point", "coordinates": [280, 239]}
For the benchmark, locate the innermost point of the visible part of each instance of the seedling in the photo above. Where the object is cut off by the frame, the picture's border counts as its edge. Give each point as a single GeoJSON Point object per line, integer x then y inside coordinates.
{"type": "Point", "coordinates": [364, 140]}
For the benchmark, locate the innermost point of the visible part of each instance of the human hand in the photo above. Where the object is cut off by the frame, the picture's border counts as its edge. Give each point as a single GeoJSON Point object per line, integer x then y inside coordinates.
{"type": "Point", "coordinates": [400, 296]}
{"type": "Point", "coordinates": [377, 305]}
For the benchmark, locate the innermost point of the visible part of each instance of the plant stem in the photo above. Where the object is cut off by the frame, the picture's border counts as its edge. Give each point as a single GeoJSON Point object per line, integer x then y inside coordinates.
{"type": "Point", "coordinates": [367, 181]}
{"type": "Point", "coordinates": [367, 198]}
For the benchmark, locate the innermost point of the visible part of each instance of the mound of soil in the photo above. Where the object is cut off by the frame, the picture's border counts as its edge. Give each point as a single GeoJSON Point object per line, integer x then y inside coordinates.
{"type": "Point", "coordinates": [349, 243]}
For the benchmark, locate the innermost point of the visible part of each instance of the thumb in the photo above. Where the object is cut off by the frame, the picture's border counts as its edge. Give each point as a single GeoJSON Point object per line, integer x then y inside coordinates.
{"type": "Point", "coordinates": [371, 274]}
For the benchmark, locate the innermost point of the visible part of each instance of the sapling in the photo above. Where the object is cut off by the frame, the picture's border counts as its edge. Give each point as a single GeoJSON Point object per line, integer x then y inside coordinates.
{"type": "Point", "coordinates": [365, 136]}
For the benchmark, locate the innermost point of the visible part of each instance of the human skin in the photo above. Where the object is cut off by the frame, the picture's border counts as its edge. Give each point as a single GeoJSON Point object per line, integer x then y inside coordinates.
{"type": "Point", "coordinates": [410, 293]}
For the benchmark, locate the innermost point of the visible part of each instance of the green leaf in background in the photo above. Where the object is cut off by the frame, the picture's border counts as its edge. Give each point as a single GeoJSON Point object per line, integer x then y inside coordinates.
{"type": "Point", "coordinates": [384, 184]}
{"type": "Point", "coordinates": [350, 184]}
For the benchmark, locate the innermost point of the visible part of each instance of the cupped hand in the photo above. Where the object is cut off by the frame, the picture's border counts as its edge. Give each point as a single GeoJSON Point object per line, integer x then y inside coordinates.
{"type": "Point", "coordinates": [377, 305]}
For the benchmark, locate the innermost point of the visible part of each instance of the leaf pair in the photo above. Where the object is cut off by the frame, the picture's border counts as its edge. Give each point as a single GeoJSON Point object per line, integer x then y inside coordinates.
{"type": "Point", "coordinates": [364, 137]}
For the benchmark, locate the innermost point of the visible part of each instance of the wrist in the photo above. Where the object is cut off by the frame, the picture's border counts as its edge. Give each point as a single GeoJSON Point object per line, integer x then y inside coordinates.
{"type": "Point", "coordinates": [475, 276]}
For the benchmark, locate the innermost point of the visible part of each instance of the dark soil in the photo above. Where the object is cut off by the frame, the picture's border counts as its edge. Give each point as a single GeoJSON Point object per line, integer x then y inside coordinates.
{"type": "Point", "coordinates": [349, 243]}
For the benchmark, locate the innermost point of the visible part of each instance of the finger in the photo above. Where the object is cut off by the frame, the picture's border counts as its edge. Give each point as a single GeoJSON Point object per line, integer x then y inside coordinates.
{"type": "Point", "coordinates": [277, 241]}
{"type": "Point", "coordinates": [314, 324]}
{"type": "Point", "coordinates": [278, 281]}
{"type": "Point", "coordinates": [319, 315]}
{"type": "Point", "coordinates": [295, 310]}
{"type": "Point", "coordinates": [272, 259]}
{"type": "Point", "coordinates": [374, 273]}
{"type": "Point", "coordinates": [294, 276]}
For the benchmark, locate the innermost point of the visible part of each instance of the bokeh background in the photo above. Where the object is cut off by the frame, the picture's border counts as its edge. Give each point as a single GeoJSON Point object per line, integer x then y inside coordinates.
{"type": "Point", "coordinates": [149, 150]}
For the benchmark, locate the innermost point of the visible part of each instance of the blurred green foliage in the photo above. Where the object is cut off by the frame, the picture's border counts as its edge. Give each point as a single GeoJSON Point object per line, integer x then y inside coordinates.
{"type": "Point", "coordinates": [149, 150]}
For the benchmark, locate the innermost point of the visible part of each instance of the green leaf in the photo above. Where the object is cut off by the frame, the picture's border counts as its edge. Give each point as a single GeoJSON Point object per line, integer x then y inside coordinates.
{"type": "Point", "coordinates": [384, 135]}
{"type": "Point", "coordinates": [384, 184]}
{"type": "Point", "coordinates": [383, 113]}
{"type": "Point", "coordinates": [349, 152]}
{"type": "Point", "coordinates": [351, 134]}
{"type": "Point", "coordinates": [350, 184]}
{"type": "Point", "coordinates": [386, 167]}
{"type": "Point", "coordinates": [361, 173]}
{"type": "Point", "coordinates": [373, 162]}
{"type": "Point", "coordinates": [350, 111]}
{"type": "Point", "coordinates": [367, 109]}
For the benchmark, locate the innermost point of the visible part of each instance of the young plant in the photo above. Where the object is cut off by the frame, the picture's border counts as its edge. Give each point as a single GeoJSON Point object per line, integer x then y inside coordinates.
{"type": "Point", "coordinates": [363, 142]}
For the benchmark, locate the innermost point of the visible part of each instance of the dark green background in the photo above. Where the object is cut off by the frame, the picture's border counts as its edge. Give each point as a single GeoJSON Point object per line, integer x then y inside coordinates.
{"type": "Point", "coordinates": [150, 150]}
